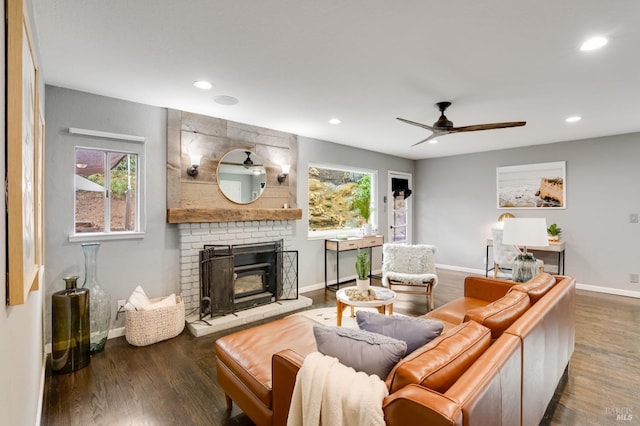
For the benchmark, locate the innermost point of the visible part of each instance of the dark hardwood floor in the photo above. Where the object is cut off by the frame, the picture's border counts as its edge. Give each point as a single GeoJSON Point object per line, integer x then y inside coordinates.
{"type": "Point", "coordinates": [174, 382]}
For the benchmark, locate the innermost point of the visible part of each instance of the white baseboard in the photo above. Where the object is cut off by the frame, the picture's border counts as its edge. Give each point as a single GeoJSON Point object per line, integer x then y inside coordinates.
{"type": "Point", "coordinates": [461, 269]}
{"type": "Point", "coordinates": [320, 286]}
{"type": "Point", "coordinates": [586, 287]}
{"type": "Point", "coordinates": [41, 392]}
{"type": "Point", "coordinates": [115, 332]}
{"type": "Point", "coordinates": [608, 290]}
{"type": "Point", "coordinates": [312, 287]}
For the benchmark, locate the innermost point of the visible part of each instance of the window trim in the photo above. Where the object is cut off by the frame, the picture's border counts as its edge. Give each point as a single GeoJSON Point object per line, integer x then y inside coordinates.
{"type": "Point", "coordinates": [104, 236]}
{"type": "Point", "coordinates": [117, 143]}
{"type": "Point", "coordinates": [331, 233]}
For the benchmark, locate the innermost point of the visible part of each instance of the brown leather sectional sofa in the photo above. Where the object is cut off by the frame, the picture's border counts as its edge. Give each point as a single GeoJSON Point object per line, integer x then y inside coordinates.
{"type": "Point", "coordinates": [503, 351]}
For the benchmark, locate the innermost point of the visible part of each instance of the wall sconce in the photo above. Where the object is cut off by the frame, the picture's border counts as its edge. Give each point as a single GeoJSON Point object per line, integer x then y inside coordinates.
{"type": "Point", "coordinates": [285, 172]}
{"type": "Point", "coordinates": [195, 163]}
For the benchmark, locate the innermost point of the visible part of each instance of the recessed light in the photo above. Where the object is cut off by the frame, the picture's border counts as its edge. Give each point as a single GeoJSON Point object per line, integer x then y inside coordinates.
{"type": "Point", "coordinates": [573, 119]}
{"type": "Point", "coordinates": [225, 100]}
{"type": "Point", "coordinates": [335, 121]}
{"type": "Point", "coordinates": [204, 85]}
{"type": "Point", "coordinates": [593, 43]}
{"type": "Point", "coordinates": [433, 141]}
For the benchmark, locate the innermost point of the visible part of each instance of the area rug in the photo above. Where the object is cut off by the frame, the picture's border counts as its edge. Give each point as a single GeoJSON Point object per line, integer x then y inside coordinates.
{"type": "Point", "coordinates": [329, 316]}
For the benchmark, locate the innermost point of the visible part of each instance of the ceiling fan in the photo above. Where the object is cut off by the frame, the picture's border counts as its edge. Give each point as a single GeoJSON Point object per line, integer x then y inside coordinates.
{"type": "Point", "coordinates": [443, 126]}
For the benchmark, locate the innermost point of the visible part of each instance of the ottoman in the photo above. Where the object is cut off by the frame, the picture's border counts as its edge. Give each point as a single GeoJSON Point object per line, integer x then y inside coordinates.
{"type": "Point", "coordinates": [244, 363]}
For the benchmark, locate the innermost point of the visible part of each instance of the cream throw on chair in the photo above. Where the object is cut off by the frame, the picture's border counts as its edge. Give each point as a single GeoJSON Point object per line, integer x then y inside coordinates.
{"type": "Point", "coordinates": [412, 267]}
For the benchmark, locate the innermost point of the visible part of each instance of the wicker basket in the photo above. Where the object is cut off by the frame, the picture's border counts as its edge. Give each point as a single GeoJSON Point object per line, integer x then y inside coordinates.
{"type": "Point", "coordinates": [143, 328]}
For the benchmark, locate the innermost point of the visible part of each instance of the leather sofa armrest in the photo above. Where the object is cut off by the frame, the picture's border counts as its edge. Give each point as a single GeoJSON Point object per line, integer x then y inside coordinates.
{"type": "Point", "coordinates": [489, 289]}
{"type": "Point", "coordinates": [416, 402]}
{"type": "Point", "coordinates": [284, 368]}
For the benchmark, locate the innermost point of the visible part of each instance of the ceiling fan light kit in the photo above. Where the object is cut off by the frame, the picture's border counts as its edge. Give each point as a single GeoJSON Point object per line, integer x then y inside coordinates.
{"type": "Point", "coordinates": [443, 126]}
{"type": "Point", "coordinates": [248, 162]}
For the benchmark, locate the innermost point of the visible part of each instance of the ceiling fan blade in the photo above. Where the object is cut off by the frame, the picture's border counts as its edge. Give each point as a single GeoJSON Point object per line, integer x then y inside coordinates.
{"type": "Point", "coordinates": [490, 126]}
{"type": "Point", "coordinates": [432, 136]}
{"type": "Point", "coordinates": [424, 126]}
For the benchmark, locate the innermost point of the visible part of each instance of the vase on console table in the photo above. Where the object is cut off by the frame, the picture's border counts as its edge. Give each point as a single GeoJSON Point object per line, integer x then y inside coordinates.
{"type": "Point", "coordinates": [99, 300]}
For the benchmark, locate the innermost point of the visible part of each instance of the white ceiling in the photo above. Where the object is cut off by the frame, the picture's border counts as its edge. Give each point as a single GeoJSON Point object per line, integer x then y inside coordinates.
{"type": "Point", "coordinates": [294, 64]}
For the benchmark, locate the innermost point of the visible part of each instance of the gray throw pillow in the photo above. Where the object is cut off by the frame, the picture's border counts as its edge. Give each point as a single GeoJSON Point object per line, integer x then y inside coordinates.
{"type": "Point", "coordinates": [416, 332]}
{"type": "Point", "coordinates": [359, 349]}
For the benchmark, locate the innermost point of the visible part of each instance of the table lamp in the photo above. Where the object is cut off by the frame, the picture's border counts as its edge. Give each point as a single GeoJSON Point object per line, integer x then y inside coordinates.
{"type": "Point", "coordinates": [523, 232]}
{"type": "Point", "coordinates": [502, 218]}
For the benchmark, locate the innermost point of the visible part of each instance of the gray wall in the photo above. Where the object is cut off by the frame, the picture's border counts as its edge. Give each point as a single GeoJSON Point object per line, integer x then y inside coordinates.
{"type": "Point", "coordinates": [456, 204]}
{"type": "Point", "coordinates": [151, 262]}
{"type": "Point", "coordinates": [312, 251]}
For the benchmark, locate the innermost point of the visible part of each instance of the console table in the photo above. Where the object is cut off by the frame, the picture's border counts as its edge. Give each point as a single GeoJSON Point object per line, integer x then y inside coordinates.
{"type": "Point", "coordinates": [352, 243]}
{"type": "Point", "coordinates": [554, 247]}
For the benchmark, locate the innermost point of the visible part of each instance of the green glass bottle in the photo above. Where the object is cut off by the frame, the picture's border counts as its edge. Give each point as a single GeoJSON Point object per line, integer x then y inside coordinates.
{"type": "Point", "coordinates": [70, 328]}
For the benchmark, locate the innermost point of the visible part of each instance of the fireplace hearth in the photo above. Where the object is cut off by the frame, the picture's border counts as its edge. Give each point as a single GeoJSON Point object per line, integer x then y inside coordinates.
{"type": "Point", "coordinates": [242, 276]}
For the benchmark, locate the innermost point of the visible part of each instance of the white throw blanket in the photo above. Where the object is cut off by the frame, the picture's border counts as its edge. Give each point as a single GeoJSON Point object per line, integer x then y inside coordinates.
{"type": "Point", "coordinates": [331, 394]}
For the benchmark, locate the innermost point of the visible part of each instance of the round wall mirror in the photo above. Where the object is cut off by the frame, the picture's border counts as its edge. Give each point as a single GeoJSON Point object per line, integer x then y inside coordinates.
{"type": "Point", "coordinates": [241, 176]}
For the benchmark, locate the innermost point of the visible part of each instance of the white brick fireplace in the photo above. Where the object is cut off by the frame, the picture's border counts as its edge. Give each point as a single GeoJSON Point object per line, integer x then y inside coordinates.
{"type": "Point", "coordinates": [193, 237]}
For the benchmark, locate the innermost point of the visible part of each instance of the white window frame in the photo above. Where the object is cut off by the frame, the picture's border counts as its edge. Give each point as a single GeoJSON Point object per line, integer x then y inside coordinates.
{"type": "Point", "coordinates": [115, 143]}
{"type": "Point", "coordinates": [332, 233]}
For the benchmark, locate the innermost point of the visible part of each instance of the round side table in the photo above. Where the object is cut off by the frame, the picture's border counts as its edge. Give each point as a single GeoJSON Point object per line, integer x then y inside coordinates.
{"type": "Point", "coordinates": [383, 301]}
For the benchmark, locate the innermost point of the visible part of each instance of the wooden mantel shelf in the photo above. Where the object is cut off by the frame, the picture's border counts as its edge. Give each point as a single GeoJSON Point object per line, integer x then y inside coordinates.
{"type": "Point", "coordinates": [202, 215]}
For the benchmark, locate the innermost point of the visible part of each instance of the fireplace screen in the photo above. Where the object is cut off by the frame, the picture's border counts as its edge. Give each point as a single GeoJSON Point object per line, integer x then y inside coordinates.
{"type": "Point", "coordinates": [241, 276]}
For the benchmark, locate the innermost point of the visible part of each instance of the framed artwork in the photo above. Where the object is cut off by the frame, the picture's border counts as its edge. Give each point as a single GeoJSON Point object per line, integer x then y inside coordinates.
{"type": "Point", "coordinates": [24, 158]}
{"type": "Point", "coordinates": [39, 191]}
{"type": "Point", "coordinates": [532, 186]}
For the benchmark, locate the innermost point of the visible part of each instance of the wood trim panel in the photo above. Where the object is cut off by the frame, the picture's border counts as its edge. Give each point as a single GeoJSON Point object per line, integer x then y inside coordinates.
{"type": "Point", "coordinates": [204, 215]}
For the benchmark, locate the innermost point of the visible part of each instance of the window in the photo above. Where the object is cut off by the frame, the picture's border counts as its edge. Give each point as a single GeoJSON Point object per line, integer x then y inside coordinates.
{"type": "Point", "coordinates": [340, 199]}
{"type": "Point", "coordinates": [107, 196]}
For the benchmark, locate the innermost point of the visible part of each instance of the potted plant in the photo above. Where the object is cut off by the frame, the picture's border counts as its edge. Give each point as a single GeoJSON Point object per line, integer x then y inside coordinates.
{"type": "Point", "coordinates": [554, 232]}
{"type": "Point", "coordinates": [362, 202]}
{"type": "Point", "coordinates": [363, 266]}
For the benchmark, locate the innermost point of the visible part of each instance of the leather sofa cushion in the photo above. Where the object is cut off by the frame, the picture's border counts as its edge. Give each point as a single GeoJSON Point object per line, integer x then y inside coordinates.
{"type": "Point", "coordinates": [439, 363]}
{"type": "Point", "coordinates": [454, 311]}
{"type": "Point", "coordinates": [537, 286]}
{"type": "Point", "coordinates": [248, 353]}
{"type": "Point", "coordinates": [499, 315]}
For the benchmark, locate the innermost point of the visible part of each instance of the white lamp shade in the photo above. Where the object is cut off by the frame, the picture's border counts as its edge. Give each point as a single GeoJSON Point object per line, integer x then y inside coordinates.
{"type": "Point", "coordinates": [527, 231]}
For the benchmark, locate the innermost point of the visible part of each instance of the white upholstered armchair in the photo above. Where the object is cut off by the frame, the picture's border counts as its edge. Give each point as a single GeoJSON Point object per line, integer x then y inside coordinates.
{"type": "Point", "coordinates": [410, 269]}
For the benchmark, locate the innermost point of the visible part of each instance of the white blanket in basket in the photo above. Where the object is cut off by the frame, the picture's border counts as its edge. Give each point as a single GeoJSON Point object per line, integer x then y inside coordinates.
{"type": "Point", "coordinates": [138, 301]}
